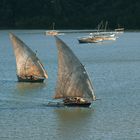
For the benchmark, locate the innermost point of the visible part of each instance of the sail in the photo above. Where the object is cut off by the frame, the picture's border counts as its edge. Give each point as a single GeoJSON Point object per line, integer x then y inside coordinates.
{"type": "Point", "coordinates": [27, 62]}
{"type": "Point", "coordinates": [73, 80]}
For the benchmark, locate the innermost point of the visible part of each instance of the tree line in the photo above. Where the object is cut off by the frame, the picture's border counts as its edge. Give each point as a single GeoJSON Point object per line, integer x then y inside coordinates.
{"type": "Point", "coordinates": [69, 14]}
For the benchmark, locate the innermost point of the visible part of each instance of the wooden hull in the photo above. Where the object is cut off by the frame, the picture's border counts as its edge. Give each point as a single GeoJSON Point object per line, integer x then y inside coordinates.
{"type": "Point", "coordinates": [52, 33]}
{"type": "Point", "coordinates": [90, 40]}
{"type": "Point", "coordinates": [77, 104]}
{"type": "Point", "coordinates": [20, 79]}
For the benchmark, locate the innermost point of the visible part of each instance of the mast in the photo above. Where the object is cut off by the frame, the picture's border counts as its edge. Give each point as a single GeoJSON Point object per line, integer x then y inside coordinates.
{"type": "Point", "coordinates": [105, 26]}
{"type": "Point", "coordinates": [53, 25]}
{"type": "Point", "coordinates": [73, 80]}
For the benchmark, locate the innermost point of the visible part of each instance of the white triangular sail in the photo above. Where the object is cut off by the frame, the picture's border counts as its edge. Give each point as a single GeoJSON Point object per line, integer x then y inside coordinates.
{"type": "Point", "coordinates": [73, 80]}
{"type": "Point", "coordinates": [27, 62]}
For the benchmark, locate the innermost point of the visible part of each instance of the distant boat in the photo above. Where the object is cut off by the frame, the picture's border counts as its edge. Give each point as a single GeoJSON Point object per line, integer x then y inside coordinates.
{"type": "Point", "coordinates": [100, 35]}
{"type": "Point", "coordinates": [119, 30]}
{"type": "Point", "coordinates": [52, 32]}
{"type": "Point", "coordinates": [106, 35]}
{"type": "Point", "coordinates": [29, 67]}
{"type": "Point", "coordinates": [90, 39]}
{"type": "Point", "coordinates": [73, 84]}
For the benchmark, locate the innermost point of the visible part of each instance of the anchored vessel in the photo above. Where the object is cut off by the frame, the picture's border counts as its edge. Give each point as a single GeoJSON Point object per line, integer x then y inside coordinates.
{"type": "Point", "coordinates": [73, 84]}
{"type": "Point", "coordinates": [29, 67]}
{"type": "Point", "coordinates": [52, 32]}
{"type": "Point", "coordinates": [90, 39]}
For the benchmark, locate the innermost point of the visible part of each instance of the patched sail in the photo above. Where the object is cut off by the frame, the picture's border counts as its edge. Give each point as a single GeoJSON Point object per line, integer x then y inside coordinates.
{"type": "Point", "coordinates": [73, 80]}
{"type": "Point", "coordinates": [27, 62]}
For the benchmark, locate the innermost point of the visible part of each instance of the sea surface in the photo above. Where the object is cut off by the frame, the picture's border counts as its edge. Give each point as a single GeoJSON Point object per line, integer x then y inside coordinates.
{"type": "Point", "coordinates": [114, 69]}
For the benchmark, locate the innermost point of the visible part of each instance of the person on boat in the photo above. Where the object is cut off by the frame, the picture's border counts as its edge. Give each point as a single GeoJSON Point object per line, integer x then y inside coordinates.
{"type": "Point", "coordinates": [31, 77]}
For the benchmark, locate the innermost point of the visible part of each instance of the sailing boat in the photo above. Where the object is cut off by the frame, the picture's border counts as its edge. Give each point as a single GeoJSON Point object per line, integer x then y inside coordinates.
{"type": "Point", "coordinates": [73, 84]}
{"type": "Point", "coordinates": [52, 32]}
{"type": "Point", "coordinates": [29, 67]}
{"type": "Point", "coordinates": [99, 35]}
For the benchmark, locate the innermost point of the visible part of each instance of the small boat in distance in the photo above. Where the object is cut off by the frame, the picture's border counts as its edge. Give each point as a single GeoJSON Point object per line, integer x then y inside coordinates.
{"type": "Point", "coordinates": [101, 34]}
{"type": "Point", "coordinates": [119, 30]}
{"type": "Point", "coordinates": [29, 67]}
{"type": "Point", "coordinates": [97, 37]}
{"type": "Point", "coordinates": [73, 83]}
{"type": "Point", "coordinates": [52, 32]}
{"type": "Point", "coordinates": [90, 39]}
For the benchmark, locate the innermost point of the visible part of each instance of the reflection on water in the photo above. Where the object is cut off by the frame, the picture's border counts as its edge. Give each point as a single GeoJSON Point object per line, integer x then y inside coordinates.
{"type": "Point", "coordinates": [73, 122]}
{"type": "Point", "coordinates": [34, 93]}
{"type": "Point", "coordinates": [24, 87]}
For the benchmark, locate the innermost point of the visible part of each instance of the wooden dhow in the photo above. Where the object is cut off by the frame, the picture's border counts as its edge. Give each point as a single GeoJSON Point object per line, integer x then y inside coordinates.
{"type": "Point", "coordinates": [29, 67]}
{"type": "Point", "coordinates": [73, 84]}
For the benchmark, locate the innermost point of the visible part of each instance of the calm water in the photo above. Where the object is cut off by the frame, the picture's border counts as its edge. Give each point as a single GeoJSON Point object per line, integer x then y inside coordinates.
{"type": "Point", "coordinates": [114, 68]}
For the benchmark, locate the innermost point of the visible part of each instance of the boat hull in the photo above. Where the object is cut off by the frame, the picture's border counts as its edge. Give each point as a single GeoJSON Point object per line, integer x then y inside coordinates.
{"type": "Point", "coordinates": [90, 40]}
{"type": "Point", "coordinates": [52, 33]}
{"type": "Point", "coordinates": [20, 79]}
{"type": "Point", "coordinates": [77, 104]}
